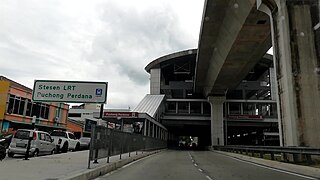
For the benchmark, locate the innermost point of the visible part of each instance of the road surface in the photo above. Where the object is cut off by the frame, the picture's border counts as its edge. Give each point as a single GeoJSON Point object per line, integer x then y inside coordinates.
{"type": "Point", "coordinates": [197, 165]}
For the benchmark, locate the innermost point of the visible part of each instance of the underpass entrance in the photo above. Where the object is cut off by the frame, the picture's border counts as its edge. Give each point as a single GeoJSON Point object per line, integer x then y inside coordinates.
{"type": "Point", "coordinates": [195, 137]}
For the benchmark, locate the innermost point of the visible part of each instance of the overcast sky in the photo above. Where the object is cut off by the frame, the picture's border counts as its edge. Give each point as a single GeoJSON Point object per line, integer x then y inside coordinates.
{"type": "Point", "coordinates": [96, 40]}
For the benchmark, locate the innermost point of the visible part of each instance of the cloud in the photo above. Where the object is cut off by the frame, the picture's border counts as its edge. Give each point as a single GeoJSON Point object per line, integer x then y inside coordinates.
{"type": "Point", "coordinates": [100, 40]}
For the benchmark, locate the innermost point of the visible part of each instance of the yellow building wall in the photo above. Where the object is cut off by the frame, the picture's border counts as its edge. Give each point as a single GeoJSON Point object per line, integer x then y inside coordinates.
{"type": "Point", "coordinates": [4, 89]}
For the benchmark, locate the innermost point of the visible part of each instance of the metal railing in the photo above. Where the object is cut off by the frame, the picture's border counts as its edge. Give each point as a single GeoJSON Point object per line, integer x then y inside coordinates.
{"type": "Point", "coordinates": [294, 154]}
{"type": "Point", "coordinates": [106, 142]}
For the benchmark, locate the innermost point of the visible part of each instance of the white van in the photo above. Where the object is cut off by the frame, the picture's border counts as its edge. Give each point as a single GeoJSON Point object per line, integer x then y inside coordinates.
{"type": "Point", "coordinates": [42, 143]}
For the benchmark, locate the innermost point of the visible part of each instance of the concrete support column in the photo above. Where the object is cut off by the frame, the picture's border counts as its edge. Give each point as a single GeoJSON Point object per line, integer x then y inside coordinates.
{"type": "Point", "coordinates": [297, 70]}
{"type": "Point", "coordinates": [217, 134]}
{"type": "Point", "coordinates": [149, 128]}
{"type": "Point", "coordinates": [145, 128]}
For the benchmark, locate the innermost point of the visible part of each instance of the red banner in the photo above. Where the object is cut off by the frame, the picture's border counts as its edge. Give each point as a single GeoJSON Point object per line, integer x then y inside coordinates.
{"type": "Point", "coordinates": [121, 114]}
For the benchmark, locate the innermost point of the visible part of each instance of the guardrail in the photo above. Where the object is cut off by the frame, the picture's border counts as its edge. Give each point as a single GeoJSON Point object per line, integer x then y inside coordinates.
{"type": "Point", "coordinates": [106, 142]}
{"type": "Point", "coordinates": [288, 154]}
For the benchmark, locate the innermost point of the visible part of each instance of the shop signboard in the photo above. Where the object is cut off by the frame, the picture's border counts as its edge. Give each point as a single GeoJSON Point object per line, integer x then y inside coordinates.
{"type": "Point", "coordinates": [121, 114]}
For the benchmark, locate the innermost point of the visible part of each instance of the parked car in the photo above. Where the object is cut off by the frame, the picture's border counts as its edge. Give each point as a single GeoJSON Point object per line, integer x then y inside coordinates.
{"type": "Point", "coordinates": [41, 143]}
{"type": "Point", "coordinates": [65, 141]}
{"type": "Point", "coordinates": [84, 142]}
{"type": "Point", "coordinates": [6, 140]}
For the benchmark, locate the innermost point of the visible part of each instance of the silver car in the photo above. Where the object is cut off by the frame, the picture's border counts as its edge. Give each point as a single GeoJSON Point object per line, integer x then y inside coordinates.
{"type": "Point", "coordinates": [41, 143]}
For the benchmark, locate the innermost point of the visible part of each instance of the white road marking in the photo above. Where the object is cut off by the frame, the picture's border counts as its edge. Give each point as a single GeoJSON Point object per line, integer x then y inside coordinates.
{"type": "Point", "coordinates": [196, 165]}
{"type": "Point", "coordinates": [279, 170]}
{"type": "Point", "coordinates": [208, 177]}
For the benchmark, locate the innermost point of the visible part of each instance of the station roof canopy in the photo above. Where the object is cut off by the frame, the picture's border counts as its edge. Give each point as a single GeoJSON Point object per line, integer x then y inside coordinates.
{"type": "Point", "coordinates": [149, 104]}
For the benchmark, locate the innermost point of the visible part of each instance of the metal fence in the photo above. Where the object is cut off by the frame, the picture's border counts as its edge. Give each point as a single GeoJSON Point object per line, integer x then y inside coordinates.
{"type": "Point", "coordinates": [299, 154]}
{"type": "Point", "coordinates": [106, 142]}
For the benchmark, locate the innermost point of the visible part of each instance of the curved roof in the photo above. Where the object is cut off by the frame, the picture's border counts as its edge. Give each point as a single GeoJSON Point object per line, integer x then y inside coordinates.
{"type": "Point", "coordinates": [156, 63]}
{"type": "Point", "coordinates": [149, 104]}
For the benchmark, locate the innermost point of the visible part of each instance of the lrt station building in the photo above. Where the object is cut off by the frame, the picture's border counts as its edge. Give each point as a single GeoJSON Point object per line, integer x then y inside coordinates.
{"type": "Point", "coordinates": [17, 109]}
{"type": "Point", "coordinates": [249, 111]}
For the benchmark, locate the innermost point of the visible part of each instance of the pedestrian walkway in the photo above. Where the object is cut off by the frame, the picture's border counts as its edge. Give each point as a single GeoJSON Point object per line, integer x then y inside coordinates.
{"type": "Point", "coordinates": [60, 166]}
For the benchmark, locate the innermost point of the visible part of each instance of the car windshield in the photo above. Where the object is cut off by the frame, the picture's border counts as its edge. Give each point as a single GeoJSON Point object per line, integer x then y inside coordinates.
{"type": "Point", "coordinates": [22, 134]}
{"type": "Point", "coordinates": [58, 133]}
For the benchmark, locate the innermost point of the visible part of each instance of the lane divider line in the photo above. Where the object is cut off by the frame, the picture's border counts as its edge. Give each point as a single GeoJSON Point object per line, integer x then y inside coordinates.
{"type": "Point", "coordinates": [196, 165]}
{"type": "Point", "coordinates": [208, 177]}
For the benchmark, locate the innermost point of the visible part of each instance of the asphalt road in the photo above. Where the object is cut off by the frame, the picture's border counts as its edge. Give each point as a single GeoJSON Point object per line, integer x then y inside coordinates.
{"type": "Point", "coordinates": [196, 165]}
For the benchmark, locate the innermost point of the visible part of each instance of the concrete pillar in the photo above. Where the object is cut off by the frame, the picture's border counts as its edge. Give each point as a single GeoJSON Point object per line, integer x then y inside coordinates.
{"type": "Point", "coordinates": [145, 128]}
{"type": "Point", "coordinates": [217, 134]}
{"type": "Point", "coordinates": [296, 66]}
{"type": "Point", "coordinates": [149, 128]}
{"type": "Point", "coordinates": [273, 83]}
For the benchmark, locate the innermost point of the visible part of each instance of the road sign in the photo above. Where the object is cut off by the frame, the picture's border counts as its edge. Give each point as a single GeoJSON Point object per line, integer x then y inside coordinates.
{"type": "Point", "coordinates": [69, 91]}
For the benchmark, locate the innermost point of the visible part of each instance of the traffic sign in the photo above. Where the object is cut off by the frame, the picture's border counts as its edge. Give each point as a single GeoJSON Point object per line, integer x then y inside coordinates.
{"type": "Point", "coordinates": [69, 91]}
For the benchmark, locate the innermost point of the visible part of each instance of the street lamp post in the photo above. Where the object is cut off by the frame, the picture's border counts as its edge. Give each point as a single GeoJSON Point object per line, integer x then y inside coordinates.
{"type": "Point", "coordinates": [121, 129]}
{"type": "Point", "coordinates": [30, 138]}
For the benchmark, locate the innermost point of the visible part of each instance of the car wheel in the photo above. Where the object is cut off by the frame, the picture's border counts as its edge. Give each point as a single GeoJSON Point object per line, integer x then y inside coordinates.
{"type": "Point", "coordinates": [10, 154]}
{"type": "Point", "coordinates": [64, 148]}
{"type": "Point", "coordinates": [77, 147]}
{"type": "Point", "coordinates": [35, 153]}
{"type": "Point", "coordinates": [57, 149]}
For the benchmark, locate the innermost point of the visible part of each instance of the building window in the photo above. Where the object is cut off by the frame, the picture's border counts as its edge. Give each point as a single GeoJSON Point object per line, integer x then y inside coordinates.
{"type": "Point", "coordinates": [183, 107]}
{"type": "Point", "coordinates": [171, 107]}
{"type": "Point", "coordinates": [206, 108]}
{"type": "Point", "coordinates": [44, 111]}
{"type": "Point", "coordinates": [249, 108]}
{"type": "Point", "coordinates": [234, 108]}
{"type": "Point", "coordinates": [11, 104]}
{"type": "Point", "coordinates": [29, 108]}
{"type": "Point", "coordinates": [22, 106]}
{"type": "Point", "coordinates": [195, 107]}
{"type": "Point", "coordinates": [16, 105]}
{"type": "Point", "coordinates": [36, 109]}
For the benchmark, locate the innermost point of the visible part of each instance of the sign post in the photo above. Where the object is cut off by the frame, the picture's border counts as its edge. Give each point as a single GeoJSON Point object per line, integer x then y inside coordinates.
{"type": "Point", "coordinates": [34, 118]}
{"type": "Point", "coordinates": [71, 92]}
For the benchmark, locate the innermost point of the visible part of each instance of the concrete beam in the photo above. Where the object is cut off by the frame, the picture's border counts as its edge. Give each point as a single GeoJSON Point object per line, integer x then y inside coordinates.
{"type": "Point", "coordinates": [230, 47]}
